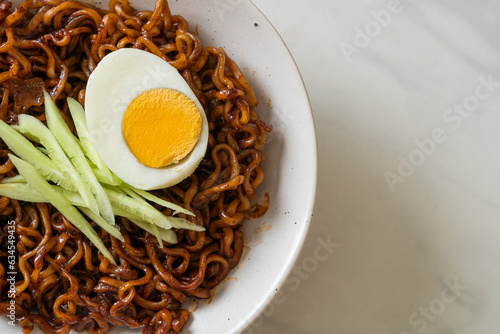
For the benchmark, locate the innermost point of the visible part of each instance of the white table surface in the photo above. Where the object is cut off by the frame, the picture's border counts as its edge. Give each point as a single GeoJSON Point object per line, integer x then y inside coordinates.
{"type": "Point", "coordinates": [424, 256]}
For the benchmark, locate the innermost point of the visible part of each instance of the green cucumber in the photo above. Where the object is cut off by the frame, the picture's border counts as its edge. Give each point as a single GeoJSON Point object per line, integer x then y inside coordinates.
{"type": "Point", "coordinates": [103, 178]}
{"type": "Point", "coordinates": [14, 179]}
{"type": "Point", "coordinates": [78, 115]}
{"type": "Point", "coordinates": [37, 181]}
{"type": "Point", "coordinates": [35, 130]}
{"type": "Point", "coordinates": [112, 230]}
{"type": "Point", "coordinates": [22, 147]}
{"type": "Point", "coordinates": [71, 146]}
{"type": "Point", "coordinates": [164, 234]}
{"type": "Point", "coordinates": [150, 197]}
{"type": "Point", "coordinates": [21, 192]}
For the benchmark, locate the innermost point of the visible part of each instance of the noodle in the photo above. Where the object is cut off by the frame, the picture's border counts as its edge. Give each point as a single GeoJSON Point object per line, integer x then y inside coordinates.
{"type": "Point", "coordinates": [63, 283]}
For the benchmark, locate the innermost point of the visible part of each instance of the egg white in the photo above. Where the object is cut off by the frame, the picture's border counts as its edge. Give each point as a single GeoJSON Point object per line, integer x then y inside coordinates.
{"type": "Point", "coordinates": [119, 78]}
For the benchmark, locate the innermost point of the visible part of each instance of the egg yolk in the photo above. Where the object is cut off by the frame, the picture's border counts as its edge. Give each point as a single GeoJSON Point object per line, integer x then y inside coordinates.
{"type": "Point", "coordinates": [161, 127]}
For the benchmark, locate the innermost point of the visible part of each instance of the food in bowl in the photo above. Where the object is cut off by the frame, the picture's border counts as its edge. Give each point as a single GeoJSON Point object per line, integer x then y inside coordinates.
{"type": "Point", "coordinates": [85, 250]}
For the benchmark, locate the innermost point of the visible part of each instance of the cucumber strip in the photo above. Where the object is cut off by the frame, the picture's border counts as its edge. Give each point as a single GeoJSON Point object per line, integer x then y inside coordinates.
{"type": "Point", "coordinates": [156, 233]}
{"type": "Point", "coordinates": [185, 224]}
{"type": "Point", "coordinates": [116, 180]}
{"type": "Point", "coordinates": [21, 192]}
{"type": "Point", "coordinates": [119, 190]}
{"type": "Point", "coordinates": [166, 235]}
{"type": "Point", "coordinates": [112, 230]}
{"type": "Point", "coordinates": [136, 208]}
{"type": "Point", "coordinates": [14, 179]}
{"type": "Point", "coordinates": [25, 192]}
{"type": "Point", "coordinates": [139, 199]}
{"type": "Point", "coordinates": [78, 115]}
{"type": "Point", "coordinates": [36, 180]}
{"type": "Point", "coordinates": [22, 147]}
{"type": "Point", "coordinates": [163, 234]}
{"type": "Point", "coordinates": [35, 130]}
{"type": "Point", "coordinates": [150, 197]}
{"type": "Point", "coordinates": [124, 213]}
{"type": "Point", "coordinates": [42, 149]}
{"type": "Point", "coordinates": [71, 196]}
{"type": "Point", "coordinates": [70, 145]}
{"type": "Point", "coordinates": [134, 195]}
{"type": "Point", "coordinates": [175, 222]}
{"type": "Point", "coordinates": [158, 218]}
{"type": "Point", "coordinates": [75, 138]}
{"type": "Point", "coordinates": [104, 178]}
{"type": "Point", "coordinates": [100, 195]}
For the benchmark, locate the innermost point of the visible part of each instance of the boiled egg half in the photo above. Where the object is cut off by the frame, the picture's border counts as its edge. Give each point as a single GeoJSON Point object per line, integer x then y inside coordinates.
{"type": "Point", "coordinates": [144, 120]}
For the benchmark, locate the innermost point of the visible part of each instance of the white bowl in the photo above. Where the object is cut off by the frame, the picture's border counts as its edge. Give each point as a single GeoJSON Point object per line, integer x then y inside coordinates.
{"type": "Point", "coordinates": [290, 167]}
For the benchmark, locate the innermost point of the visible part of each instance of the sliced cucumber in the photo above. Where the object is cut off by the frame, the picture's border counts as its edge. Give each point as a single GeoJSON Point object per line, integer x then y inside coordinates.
{"type": "Point", "coordinates": [35, 130]}
{"type": "Point", "coordinates": [21, 192]}
{"type": "Point", "coordinates": [150, 197]}
{"type": "Point", "coordinates": [71, 146]}
{"type": "Point", "coordinates": [14, 179]}
{"type": "Point", "coordinates": [37, 181]}
{"type": "Point", "coordinates": [78, 115]}
{"type": "Point", "coordinates": [112, 230]}
{"type": "Point", "coordinates": [22, 147]}
{"type": "Point", "coordinates": [166, 235]}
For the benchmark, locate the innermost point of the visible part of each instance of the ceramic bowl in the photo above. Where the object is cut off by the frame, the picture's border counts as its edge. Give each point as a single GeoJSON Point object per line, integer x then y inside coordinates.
{"type": "Point", "coordinates": [274, 241]}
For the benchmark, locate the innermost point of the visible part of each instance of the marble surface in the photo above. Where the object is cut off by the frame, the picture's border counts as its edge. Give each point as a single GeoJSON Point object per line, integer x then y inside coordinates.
{"type": "Point", "coordinates": [406, 231]}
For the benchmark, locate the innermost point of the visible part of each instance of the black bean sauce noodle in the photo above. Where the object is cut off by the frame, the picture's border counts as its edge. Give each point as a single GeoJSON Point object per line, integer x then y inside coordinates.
{"type": "Point", "coordinates": [62, 281]}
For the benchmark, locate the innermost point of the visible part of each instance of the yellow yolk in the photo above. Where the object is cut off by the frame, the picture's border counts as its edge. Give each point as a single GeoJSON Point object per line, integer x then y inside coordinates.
{"type": "Point", "coordinates": [161, 127]}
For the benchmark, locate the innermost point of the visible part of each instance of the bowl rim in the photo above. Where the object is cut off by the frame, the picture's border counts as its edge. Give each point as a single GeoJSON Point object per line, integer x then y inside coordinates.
{"type": "Point", "coordinates": [309, 208]}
